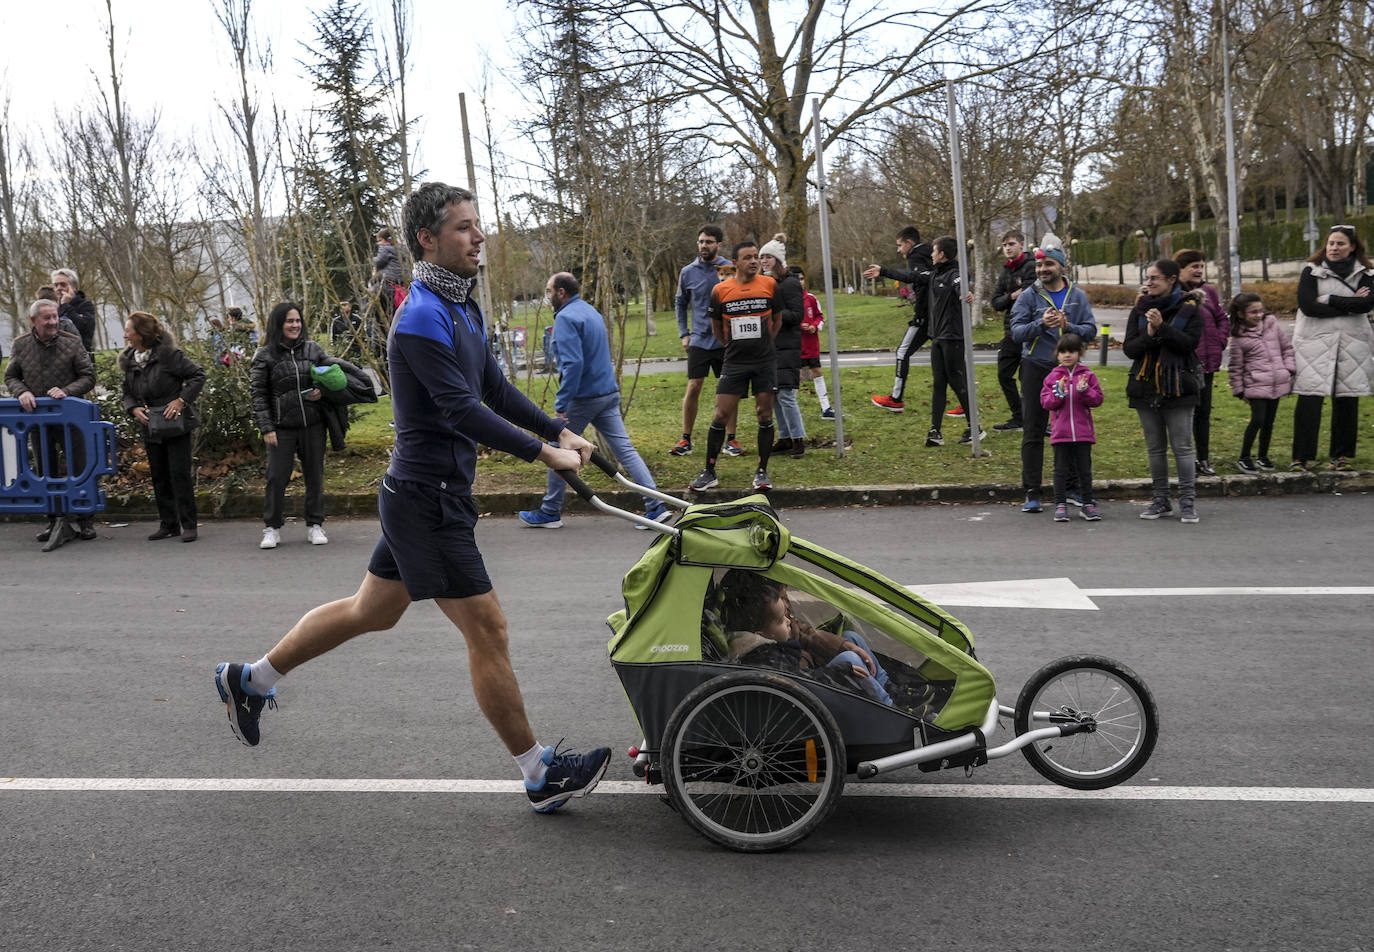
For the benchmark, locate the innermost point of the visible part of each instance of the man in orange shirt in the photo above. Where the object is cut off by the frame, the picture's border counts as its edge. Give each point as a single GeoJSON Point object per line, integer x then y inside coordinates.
{"type": "Point", "coordinates": [744, 318]}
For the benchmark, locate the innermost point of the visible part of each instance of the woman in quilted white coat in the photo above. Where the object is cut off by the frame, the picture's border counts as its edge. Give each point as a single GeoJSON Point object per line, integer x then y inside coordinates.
{"type": "Point", "coordinates": [1333, 345]}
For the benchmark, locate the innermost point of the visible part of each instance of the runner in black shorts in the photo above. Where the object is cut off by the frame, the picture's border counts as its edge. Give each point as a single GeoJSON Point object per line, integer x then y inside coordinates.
{"type": "Point", "coordinates": [448, 396]}
{"type": "Point", "coordinates": [740, 376]}
{"type": "Point", "coordinates": [743, 315]}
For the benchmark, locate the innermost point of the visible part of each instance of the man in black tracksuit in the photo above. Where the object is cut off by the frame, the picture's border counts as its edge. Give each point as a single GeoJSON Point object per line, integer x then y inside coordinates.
{"type": "Point", "coordinates": [946, 335]}
{"type": "Point", "coordinates": [917, 274]}
{"type": "Point", "coordinates": [1012, 278]}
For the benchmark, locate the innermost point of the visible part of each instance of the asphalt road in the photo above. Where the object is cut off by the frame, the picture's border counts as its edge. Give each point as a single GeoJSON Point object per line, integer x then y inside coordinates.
{"type": "Point", "coordinates": [108, 649]}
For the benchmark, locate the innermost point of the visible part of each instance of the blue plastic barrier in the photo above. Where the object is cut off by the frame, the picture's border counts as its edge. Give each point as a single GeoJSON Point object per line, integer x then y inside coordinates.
{"type": "Point", "coordinates": [55, 432]}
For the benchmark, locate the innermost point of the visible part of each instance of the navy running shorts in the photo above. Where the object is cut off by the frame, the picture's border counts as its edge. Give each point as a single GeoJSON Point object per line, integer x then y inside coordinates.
{"type": "Point", "coordinates": [738, 376]}
{"type": "Point", "coordinates": [428, 541]}
{"type": "Point", "coordinates": [811, 362]}
{"type": "Point", "coordinates": [703, 360]}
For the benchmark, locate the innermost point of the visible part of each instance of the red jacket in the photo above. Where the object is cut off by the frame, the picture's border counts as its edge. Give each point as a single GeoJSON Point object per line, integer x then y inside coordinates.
{"type": "Point", "coordinates": [1071, 415]}
{"type": "Point", "coordinates": [812, 322]}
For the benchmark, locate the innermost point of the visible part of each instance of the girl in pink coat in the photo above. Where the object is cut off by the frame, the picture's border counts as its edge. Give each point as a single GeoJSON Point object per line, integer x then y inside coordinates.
{"type": "Point", "coordinates": [1070, 392]}
{"type": "Point", "coordinates": [1261, 371]}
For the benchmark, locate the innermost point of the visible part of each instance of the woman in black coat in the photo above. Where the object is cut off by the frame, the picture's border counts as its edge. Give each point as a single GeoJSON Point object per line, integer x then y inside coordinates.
{"type": "Point", "coordinates": [286, 404]}
{"type": "Point", "coordinates": [160, 380]}
{"type": "Point", "coordinates": [1161, 339]}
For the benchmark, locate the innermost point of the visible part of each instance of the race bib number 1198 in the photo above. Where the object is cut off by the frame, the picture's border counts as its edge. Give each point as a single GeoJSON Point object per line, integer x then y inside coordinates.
{"type": "Point", "coordinates": [746, 328]}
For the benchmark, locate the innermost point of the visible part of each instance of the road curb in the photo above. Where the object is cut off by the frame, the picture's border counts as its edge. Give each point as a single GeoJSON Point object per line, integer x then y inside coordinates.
{"type": "Point", "coordinates": [248, 505]}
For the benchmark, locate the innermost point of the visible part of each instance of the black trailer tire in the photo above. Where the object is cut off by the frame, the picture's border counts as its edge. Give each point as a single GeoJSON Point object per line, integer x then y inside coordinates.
{"type": "Point", "coordinates": [1121, 706]}
{"type": "Point", "coordinates": [753, 761]}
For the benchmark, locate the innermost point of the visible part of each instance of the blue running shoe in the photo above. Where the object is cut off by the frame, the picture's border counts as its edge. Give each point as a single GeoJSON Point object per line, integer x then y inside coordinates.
{"type": "Point", "coordinates": [1074, 498]}
{"type": "Point", "coordinates": [244, 706]}
{"type": "Point", "coordinates": [538, 519]}
{"type": "Point", "coordinates": [1032, 503]}
{"type": "Point", "coordinates": [569, 775]}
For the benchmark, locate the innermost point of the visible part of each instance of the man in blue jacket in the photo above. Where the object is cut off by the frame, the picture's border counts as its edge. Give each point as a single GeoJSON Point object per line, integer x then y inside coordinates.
{"type": "Point", "coordinates": [587, 393]}
{"type": "Point", "coordinates": [705, 354]}
{"type": "Point", "coordinates": [1043, 313]}
{"type": "Point", "coordinates": [448, 395]}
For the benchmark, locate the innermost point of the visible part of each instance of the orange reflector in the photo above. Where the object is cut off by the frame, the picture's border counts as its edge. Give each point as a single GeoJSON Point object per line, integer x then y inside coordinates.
{"type": "Point", "coordinates": [811, 764]}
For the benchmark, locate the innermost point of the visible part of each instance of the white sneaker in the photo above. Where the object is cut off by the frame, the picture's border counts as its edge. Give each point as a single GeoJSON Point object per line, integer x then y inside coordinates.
{"type": "Point", "coordinates": [316, 536]}
{"type": "Point", "coordinates": [270, 538]}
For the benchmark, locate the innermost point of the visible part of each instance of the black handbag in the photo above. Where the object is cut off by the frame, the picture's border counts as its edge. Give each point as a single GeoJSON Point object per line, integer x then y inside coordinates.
{"type": "Point", "coordinates": [161, 429]}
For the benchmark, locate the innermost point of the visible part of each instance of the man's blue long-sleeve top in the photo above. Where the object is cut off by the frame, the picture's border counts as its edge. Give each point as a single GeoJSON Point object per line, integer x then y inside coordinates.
{"type": "Point", "coordinates": [694, 286]}
{"type": "Point", "coordinates": [583, 352]}
{"type": "Point", "coordinates": [1038, 342]}
{"type": "Point", "coordinates": [448, 395]}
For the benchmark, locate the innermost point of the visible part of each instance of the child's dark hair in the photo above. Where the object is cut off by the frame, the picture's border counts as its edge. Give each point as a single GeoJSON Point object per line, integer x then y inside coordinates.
{"type": "Point", "coordinates": [1070, 341]}
{"type": "Point", "coordinates": [746, 598]}
{"type": "Point", "coordinates": [1237, 308]}
{"type": "Point", "coordinates": [947, 245]}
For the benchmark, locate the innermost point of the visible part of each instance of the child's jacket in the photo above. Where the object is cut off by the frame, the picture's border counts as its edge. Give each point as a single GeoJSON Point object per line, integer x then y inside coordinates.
{"type": "Point", "coordinates": [1071, 416]}
{"type": "Point", "coordinates": [1261, 364]}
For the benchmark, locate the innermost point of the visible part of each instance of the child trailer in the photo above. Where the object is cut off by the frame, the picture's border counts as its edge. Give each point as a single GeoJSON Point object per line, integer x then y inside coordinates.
{"type": "Point", "coordinates": [754, 747]}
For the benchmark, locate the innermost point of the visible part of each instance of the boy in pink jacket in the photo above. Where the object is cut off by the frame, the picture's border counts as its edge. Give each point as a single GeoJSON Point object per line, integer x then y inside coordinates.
{"type": "Point", "coordinates": [1069, 393]}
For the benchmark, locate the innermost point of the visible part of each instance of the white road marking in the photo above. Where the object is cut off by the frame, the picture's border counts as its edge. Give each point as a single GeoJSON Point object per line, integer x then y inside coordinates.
{"type": "Point", "coordinates": [904, 790]}
{"type": "Point", "coordinates": [1061, 594]}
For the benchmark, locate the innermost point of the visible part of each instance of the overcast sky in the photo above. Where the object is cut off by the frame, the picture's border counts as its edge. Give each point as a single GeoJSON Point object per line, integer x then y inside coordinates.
{"type": "Point", "coordinates": [176, 60]}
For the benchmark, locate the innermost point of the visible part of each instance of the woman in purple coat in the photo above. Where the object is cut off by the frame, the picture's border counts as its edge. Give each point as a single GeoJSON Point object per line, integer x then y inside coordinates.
{"type": "Point", "coordinates": [1211, 346]}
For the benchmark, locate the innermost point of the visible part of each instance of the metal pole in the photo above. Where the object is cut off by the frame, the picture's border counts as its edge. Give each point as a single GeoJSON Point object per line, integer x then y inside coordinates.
{"type": "Point", "coordinates": [1233, 212]}
{"type": "Point", "coordinates": [955, 162]}
{"type": "Point", "coordinates": [836, 400]}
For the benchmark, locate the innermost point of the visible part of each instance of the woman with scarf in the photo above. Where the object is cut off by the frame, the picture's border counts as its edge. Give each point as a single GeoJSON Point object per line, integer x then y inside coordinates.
{"type": "Point", "coordinates": [1211, 345]}
{"type": "Point", "coordinates": [1332, 346]}
{"type": "Point", "coordinates": [159, 379]}
{"type": "Point", "coordinates": [1161, 340]}
{"type": "Point", "coordinates": [286, 404]}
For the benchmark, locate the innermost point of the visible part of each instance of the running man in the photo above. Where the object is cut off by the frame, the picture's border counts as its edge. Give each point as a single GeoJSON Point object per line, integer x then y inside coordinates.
{"type": "Point", "coordinates": [448, 395]}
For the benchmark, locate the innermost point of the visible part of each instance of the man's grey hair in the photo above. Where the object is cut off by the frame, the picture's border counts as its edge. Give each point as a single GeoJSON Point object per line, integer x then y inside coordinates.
{"type": "Point", "coordinates": [39, 305]}
{"type": "Point", "coordinates": [67, 273]}
{"type": "Point", "coordinates": [427, 208]}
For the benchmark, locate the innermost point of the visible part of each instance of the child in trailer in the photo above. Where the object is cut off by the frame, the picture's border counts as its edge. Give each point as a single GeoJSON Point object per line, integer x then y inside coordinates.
{"type": "Point", "coordinates": [1261, 371]}
{"type": "Point", "coordinates": [762, 630]}
{"type": "Point", "coordinates": [1070, 392]}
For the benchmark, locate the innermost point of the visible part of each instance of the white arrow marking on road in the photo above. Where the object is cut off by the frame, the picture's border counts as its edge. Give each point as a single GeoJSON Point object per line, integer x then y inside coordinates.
{"type": "Point", "coordinates": [1063, 595]}
{"type": "Point", "coordinates": [991, 791]}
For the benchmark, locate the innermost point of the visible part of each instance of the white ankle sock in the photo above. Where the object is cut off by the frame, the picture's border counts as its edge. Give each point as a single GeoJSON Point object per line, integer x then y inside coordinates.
{"type": "Point", "coordinates": [820, 392]}
{"type": "Point", "coordinates": [532, 765]}
{"type": "Point", "coordinates": [262, 676]}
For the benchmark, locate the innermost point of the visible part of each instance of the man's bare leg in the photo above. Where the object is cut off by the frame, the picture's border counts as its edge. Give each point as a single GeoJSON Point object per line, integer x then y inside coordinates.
{"type": "Point", "coordinates": [483, 625]}
{"type": "Point", "coordinates": [246, 688]}
{"type": "Point", "coordinates": [691, 402]}
{"type": "Point", "coordinates": [377, 605]}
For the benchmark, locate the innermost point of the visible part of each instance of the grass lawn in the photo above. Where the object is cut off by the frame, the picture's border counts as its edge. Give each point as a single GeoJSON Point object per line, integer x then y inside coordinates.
{"type": "Point", "coordinates": [864, 322]}
{"type": "Point", "coordinates": [888, 448]}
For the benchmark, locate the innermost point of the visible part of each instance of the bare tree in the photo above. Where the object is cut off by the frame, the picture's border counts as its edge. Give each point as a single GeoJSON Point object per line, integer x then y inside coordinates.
{"type": "Point", "coordinates": [750, 67]}
{"type": "Point", "coordinates": [16, 197]}
{"type": "Point", "coordinates": [241, 179]}
{"type": "Point", "coordinates": [1193, 81]}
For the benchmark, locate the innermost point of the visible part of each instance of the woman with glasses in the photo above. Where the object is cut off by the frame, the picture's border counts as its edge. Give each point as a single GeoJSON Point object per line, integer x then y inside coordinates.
{"type": "Point", "coordinates": [1161, 339]}
{"type": "Point", "coordinates": [1332, 347]}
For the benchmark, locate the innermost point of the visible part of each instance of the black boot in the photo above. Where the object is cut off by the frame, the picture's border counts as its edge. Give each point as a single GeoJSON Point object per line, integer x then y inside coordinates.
{"type": "Point", "coordinates": [45, 534]}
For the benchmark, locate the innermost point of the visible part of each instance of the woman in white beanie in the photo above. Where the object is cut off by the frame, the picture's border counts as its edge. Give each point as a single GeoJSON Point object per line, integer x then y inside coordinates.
{"type": "Point", "coordinates": [791, 306]}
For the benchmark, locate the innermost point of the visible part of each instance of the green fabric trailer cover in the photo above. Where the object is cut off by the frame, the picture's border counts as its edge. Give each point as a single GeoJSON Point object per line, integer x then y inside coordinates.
{"type": "Point", "coordinates": [664, 594]}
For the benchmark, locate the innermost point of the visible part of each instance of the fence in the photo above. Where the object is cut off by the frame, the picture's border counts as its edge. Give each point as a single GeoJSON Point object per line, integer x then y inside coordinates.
{"type": "Point", "coordinates": [52, 458]}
